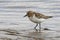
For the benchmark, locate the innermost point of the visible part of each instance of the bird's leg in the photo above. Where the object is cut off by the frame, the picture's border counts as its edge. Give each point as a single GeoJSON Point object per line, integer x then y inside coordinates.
{"type": "Point", "coordinates": [36, 26]}
{"type": "Point", "coordinates": [39, 27]}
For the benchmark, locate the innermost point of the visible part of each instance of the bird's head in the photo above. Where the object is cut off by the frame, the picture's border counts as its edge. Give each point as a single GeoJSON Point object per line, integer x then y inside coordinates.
{"type": "Point", "coordinates": [29, 13]}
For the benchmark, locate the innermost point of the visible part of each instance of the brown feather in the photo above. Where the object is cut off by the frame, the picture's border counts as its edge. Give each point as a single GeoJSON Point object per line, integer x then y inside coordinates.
{"type": "Point", "coordinates": [38, 15]}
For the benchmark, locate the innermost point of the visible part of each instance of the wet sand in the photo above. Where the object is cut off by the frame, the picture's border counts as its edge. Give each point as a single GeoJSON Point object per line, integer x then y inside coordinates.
{"type": "Point", "coordinates": [10, 34]}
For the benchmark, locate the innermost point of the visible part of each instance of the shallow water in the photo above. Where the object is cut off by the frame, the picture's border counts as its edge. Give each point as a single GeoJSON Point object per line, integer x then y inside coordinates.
{"type": "Point", "coordinates": [13, 26]}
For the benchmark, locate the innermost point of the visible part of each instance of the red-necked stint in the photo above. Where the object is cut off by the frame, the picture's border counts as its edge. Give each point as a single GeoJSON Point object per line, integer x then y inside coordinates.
{"type": "Point", "coordinates": [36, 18]}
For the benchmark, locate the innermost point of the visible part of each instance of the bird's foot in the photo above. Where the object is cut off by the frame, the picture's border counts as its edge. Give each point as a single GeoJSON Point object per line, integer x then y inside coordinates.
{"type": "Point", "coordinates": [39, 30]}
{"type": "Point", "coordinates": [35, 29]}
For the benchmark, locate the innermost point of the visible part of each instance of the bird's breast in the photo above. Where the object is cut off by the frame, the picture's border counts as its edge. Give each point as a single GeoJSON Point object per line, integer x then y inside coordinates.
{"type": "Point", "coordinates": [36, 20]}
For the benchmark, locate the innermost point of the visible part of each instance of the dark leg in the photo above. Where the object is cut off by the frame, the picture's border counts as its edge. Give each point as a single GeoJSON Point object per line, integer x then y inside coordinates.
{"type": "Point", "coordinates": [39, 26]}
{"type": "Point", "coordinates": [36, 26]}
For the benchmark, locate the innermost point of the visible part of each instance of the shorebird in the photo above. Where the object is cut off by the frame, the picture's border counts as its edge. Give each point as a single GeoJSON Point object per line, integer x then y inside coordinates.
{"type": "Point", "coordinates": [36, 18]}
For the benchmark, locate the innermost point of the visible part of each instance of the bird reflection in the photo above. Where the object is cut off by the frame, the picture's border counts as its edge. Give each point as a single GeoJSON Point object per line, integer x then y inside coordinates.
{"type": "Point", "coordinates": [36, 35]}
{"type": "Point", "coordinates": [38, 38]}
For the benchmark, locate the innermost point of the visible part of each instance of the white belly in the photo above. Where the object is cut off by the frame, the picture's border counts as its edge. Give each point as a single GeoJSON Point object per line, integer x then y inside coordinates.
{"type": "Point", "coordinates": [36, 20]}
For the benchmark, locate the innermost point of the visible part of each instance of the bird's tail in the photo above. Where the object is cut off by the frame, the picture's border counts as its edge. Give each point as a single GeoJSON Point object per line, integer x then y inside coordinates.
{"type": "Point", "coordinates": [46, 17]}
{"type": "Point", "coordinates": [50, 16]}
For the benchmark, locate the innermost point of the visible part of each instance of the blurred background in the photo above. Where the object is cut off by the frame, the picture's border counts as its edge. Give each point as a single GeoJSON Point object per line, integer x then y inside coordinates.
{"type": "Point", "coordinates": [12, 12]}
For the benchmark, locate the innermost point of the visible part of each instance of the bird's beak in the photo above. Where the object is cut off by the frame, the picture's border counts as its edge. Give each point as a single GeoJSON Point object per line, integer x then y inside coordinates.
{"type": "Point", "coordinates": [25, 15]}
